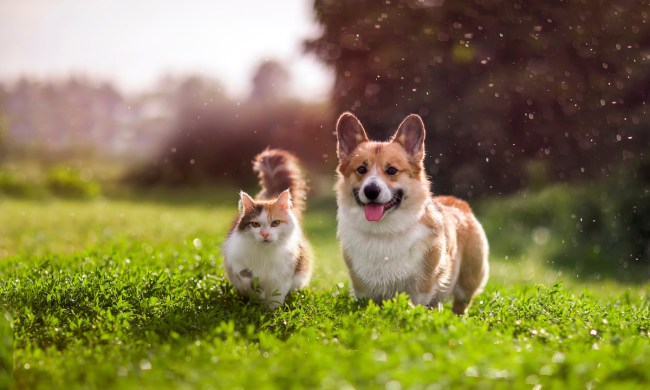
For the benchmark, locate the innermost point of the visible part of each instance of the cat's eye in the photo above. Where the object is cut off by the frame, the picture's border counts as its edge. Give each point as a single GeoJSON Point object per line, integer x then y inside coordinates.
{"type": "Point", "coordinates": [391, 171]}
{"type": "Point", "coordinates": [255, 224]}
{"type": "Point", "coordinates": [362, 169]}
{"type": "Point", "coordinates": [275, 223]}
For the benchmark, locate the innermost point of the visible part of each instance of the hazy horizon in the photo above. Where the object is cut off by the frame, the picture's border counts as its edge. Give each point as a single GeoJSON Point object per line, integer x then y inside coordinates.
{"type": "Point", "coordinates": [133, 45]}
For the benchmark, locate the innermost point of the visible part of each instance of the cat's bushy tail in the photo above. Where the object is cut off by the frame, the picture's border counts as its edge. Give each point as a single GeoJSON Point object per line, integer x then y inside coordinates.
{"type": "Point", "coordinates": [278, 170]}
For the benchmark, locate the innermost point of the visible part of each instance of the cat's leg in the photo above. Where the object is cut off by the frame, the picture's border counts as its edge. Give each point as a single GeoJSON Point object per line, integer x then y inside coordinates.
{"type": "Point", "coordinates": [276, 297]}
{"type": "Point", "coordinates": [300, 279]}
{"type": "Point", "coordinates": [303, 266]}
{"type": "Point", "coordinates": [243, 281]}
{"type": "Point", "coordinates": [274, 302]}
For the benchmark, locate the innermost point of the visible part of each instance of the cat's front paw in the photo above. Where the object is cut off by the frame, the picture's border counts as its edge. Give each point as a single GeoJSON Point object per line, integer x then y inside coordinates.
{"type": "Point", "coordinates": [246, 273]}
{"type": "Point", "coordinates": [274, 302]}
{"type": "Point", "coordinates": [244, 282]}
{"type": "Point", "coordinates": [272, 305]}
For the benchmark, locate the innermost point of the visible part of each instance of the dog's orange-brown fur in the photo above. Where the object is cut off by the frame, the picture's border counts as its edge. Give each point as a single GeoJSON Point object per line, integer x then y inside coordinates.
{"type": "Point", "coordinates": [448, 253]}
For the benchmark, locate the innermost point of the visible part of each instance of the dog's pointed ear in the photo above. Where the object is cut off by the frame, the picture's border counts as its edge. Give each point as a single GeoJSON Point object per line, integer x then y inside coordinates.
{"type": "Point", "coordinates": [349, 134]}
{"type": "Point", "coordinates": [410, 134]}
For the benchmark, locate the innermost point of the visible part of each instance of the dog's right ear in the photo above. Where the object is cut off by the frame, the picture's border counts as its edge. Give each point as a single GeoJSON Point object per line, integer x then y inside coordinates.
{"type": "Point", "coordinates": [410, 134]}
{"type": "Point", "coordinates": [349, 134]}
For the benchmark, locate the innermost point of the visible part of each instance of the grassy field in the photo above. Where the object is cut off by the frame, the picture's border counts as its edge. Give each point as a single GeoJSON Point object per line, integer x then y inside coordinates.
{"type": "Point", "coordinates": [130, 294]}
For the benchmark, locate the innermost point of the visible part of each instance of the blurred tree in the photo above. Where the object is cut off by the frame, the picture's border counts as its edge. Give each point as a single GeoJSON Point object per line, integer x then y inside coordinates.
{"type": "Point", "coordinates": [270, 82]}
{"type": "Point", "coordinates": [214, 138]}
{"type": "Point", "coordinates": [497, 82]}
{"type": "Point", "coordinates": [3, 122]}
{"type": "Point", "coordinates": [195, 92]}
{"type": "Point", "coordinates": [59, 117]}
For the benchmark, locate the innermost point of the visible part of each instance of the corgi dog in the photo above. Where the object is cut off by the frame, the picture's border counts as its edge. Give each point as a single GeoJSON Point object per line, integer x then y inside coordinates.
{"type": "Point", "coordinates": [266, 255]}
{"type": "Point", "coordinates": [395, 236]}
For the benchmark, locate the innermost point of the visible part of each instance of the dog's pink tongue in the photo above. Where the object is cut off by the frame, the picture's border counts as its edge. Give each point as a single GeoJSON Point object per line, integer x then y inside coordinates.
{"type": "Point", "coordinates": [374, 211]}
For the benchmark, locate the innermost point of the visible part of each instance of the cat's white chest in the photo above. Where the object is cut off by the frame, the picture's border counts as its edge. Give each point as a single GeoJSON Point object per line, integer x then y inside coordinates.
{"type": "Point", "coordinates": [270, 263]}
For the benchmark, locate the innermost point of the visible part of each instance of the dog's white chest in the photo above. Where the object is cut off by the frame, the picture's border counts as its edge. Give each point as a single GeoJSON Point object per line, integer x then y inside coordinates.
{"type": "Point", "coordinates": [386, 263]}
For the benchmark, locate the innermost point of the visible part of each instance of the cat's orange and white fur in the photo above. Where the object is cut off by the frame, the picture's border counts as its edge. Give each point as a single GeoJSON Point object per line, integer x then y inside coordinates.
{"type": "Point", "coordinates": [396, 237]}
{"type": "Point", "coordinates": [266, 254]}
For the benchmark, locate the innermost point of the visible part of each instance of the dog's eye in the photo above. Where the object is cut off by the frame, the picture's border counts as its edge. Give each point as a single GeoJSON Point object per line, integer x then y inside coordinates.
{"type": "Point", "coordinates": [275, 223]}
{"type": "Point", "coordinates": [391, 171]}
{"type": "Point", "coordinates": [255, 224]}
{"type": "Point", "coordinates": [362, 169]}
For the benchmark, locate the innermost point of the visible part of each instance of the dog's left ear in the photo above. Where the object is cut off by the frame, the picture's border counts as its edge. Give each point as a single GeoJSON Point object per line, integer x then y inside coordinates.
{"type": "Point", "coordinates": [410, 134]}
{"type": "Point", "coordinates": [349, 134]}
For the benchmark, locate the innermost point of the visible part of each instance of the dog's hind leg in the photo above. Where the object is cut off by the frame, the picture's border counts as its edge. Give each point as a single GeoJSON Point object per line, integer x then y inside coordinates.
{"type": "Point", "coordinates": [474, 270]}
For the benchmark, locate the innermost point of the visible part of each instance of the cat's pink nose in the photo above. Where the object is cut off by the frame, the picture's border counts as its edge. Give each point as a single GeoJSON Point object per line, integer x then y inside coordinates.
{"type": "Point", "coordinates": [265, 234]}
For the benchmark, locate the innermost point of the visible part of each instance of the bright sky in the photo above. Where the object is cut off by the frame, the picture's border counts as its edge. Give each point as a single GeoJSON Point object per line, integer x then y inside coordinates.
{"type": "Point", "coordinates": [134, 42]}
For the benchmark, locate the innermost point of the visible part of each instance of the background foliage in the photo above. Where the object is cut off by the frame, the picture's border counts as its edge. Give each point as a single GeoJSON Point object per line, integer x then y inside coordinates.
{"type": "Point", "coordinates": [500, 84]}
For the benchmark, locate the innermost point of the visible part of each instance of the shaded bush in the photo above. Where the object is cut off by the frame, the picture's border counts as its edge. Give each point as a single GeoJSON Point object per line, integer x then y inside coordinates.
{"type": "Point", "coordinates": [600, 228]}
{"type": "Point", "coordinates": [60, 181]}
{"type": "Point", "coordinates": [15, 186]}
{"type": "Point", "coordinates": [630, 197]}
{"type": "Point", "coordinates": [69, 183]}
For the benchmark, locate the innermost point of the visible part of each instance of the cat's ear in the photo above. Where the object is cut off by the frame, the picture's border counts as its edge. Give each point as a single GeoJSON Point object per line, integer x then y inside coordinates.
{"type": "Point", "coordinates": [246, 203]}
{"type": "Point", "coordinates": [284, 200]}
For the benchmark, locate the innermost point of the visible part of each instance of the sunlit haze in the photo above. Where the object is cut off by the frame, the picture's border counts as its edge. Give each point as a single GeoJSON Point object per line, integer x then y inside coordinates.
{"type": "Point", "coordinates": [134, 43]}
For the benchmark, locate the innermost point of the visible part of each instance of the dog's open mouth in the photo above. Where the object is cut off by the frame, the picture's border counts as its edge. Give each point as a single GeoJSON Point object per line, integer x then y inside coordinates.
{"type": "Point", "coordinates": [375, 211]}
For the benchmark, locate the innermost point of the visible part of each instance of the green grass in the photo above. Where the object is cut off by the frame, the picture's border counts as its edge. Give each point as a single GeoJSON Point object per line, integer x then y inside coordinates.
{"type": "Point", "coordinates": [130, 294]}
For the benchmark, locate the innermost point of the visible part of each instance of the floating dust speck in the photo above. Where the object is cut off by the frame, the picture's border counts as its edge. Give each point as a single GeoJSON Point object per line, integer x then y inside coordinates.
{"type": "Point", "coordinates": [379, 356]}
{"type": "Point", "coordinates": [558, 357]}
{"type": "Point", "coordinates": [145, 365]}
{"type": "Point", "coordinates": [472, 372]}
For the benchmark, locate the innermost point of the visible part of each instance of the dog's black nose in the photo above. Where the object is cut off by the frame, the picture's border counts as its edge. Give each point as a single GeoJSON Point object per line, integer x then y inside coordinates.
{"type": "Point", "coordinates": [371, 191]}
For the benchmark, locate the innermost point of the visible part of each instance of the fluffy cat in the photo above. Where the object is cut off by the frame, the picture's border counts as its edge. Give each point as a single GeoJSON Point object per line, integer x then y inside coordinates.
{"type": "Point", "coordinates": [266, 254]}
